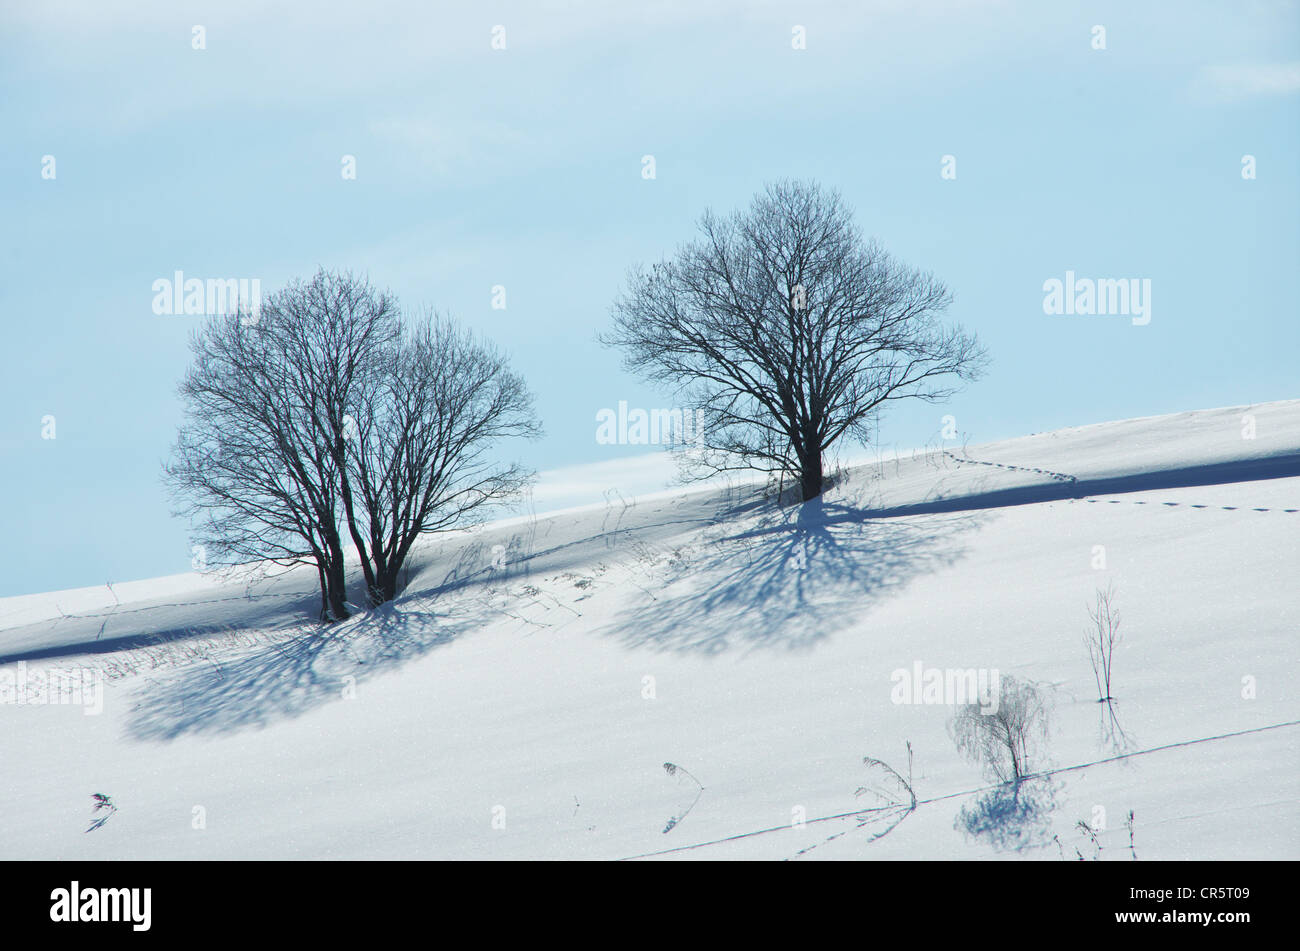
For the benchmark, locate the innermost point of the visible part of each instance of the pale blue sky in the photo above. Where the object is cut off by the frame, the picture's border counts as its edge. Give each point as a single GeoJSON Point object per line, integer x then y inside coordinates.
{"type": "Point", "coordinates": [522, 167]}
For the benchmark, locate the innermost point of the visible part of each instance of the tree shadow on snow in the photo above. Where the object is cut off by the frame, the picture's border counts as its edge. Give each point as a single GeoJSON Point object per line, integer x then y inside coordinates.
{"type": "Point", "coordinates": [1011, 818]}
{"type": "Point", "coordinates": [285, 679]}
{"type": "Point", "coordinates": [790, 581]}
{"type": "Point", "coordinates": [153, 625]}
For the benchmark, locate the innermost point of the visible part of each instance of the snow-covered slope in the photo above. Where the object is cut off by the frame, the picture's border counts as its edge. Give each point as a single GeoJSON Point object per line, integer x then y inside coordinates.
{"type": "Point", "coordinates": [523, 696]}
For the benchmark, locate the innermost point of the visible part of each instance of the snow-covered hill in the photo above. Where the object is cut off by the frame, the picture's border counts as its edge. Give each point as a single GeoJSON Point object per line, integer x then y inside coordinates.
{"type": "Point", "coordinates": [522, 698]}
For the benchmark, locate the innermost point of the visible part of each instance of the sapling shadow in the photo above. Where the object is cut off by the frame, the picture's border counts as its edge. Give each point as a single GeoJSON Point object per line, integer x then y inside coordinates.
{"type": "Point", "coordinates": [1011, 817]}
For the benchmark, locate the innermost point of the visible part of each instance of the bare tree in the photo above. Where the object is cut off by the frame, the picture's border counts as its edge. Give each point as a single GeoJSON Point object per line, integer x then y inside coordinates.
{"type": "Point", "coordinates": [1101, 640]}
{"type": "Point", "coordinates": [254, 463]}
{"type": "Point", "coordinates": [789, 331]}
{"type": "Point", "coordinates": [321, 411]}
{"type": "Point", "coordinates": [414, 451]}
{"type": "Point", "coordinates": [1003, 740]}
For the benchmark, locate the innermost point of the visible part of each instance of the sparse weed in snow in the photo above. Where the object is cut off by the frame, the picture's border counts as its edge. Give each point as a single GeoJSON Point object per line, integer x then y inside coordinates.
{"type": "Point", "coordinates": [103, 804]}
{"type": "Point", "coordinates": [895, 799]}
{"type": "Point", "coordinates": [672, 769]}
{"type": "Point", "coordinates": [1091, 833]}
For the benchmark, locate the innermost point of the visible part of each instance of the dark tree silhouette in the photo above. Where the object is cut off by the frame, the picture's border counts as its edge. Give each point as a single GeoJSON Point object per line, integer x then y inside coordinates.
{"type": "Point", "coordinates": [789, 331]}
{"type": "Point", "coordinates": [254, 463]}
{"type": "Point", "coordinates": [414, 452]}
{"type": "Point", "coordinates": [321, 412]}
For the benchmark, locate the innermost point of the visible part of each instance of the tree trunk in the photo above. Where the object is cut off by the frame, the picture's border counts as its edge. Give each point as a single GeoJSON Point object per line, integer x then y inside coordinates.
{"type": "Point", "coordinates": [353, 530]}
{"type": "Point", "coordinates": [388, 587]}
{"type": "Point", "coordinates": [338, 594]}
{"type": "Point", "coordinates": [336, 583]}
{"type": "Point", "coordinates": [388, 571]}
{"type": "Point", "coordinates": [324, 591]}
{"type": "Point", "coordinates": [811, 477]}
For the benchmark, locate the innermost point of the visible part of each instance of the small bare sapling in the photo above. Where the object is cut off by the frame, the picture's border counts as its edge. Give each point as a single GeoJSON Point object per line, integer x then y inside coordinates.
{"type": "Point", "coordinates": [1101, 640]}
{"type": "Point", "coordinates": [1004, 742]}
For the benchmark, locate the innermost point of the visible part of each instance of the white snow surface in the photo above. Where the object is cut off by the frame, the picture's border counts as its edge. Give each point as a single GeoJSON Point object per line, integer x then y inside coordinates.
{"type": "Point", "coordinates": [528, 711]}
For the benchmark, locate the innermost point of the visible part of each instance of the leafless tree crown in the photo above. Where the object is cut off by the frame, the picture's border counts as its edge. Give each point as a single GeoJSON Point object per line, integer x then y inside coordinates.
{"type": "Point", "coordinates": [415, 453]}
{"type": "Point", "coordinates": [1006, 740]}
{"type": "Point", "coordinates": [789, 331]}
{"type": "Point", "coordinates": [322, 411]}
